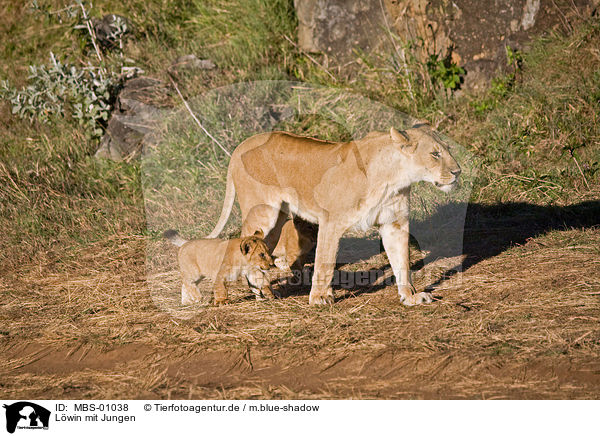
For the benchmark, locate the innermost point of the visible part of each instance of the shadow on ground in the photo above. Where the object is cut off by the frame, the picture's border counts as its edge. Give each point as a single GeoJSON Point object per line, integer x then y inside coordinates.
{"type": "Point", "coordinates": [492, 229]}
{"type": "Point", "coordinates": [488, 230]}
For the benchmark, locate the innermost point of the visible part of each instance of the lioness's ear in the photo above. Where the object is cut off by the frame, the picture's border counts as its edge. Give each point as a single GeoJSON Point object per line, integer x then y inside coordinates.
{"type": "Point", "coordinates": [400, 137]}
{"type": "Point", "coordinates": [245, 246]}
{"type": "Point", "coordinates": [259, 234]}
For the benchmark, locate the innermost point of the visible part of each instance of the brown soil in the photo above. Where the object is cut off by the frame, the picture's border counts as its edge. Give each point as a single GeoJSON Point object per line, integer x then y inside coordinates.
{"type": "Point", "coordinates": [522, 321]}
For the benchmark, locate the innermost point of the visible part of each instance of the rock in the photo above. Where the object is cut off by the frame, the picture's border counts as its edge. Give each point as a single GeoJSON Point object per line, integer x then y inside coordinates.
{"type": "Point", "coordinates": [530, 11]}
{"type": "Point", "coordinates": [140, 105]}
{"type": "Point", "coordinates": [337, 27]}
{"type": "Point", "coordinates": [111, 30]}
{"type": "Point", "coordinates": [464, 29]}
{"type": "Point", "coordinates": [190, 63]}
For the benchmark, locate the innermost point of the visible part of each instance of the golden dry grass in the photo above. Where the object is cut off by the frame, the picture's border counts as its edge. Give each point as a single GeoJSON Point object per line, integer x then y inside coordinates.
{"type": "Point", "coordinates": [523, 324]}
{"type": "Point", "coordinates": [82, 315]}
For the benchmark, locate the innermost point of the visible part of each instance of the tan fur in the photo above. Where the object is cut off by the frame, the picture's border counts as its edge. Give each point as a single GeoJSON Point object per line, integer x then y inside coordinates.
{"type": "Point", "coordinates": [297, 239]}
{"type": "Point", "coordinates": [222, 261]}
{"type": "Point", "coordinates": [338, 186]}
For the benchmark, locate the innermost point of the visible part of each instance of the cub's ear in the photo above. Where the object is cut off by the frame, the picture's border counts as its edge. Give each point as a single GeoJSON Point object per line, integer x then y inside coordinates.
{"type": "Point", "coordinates": [259, 234]}
{"type": "Point", "coordinates": [400, 138]}
{"type": "Point", "coordinates": [245, 246]}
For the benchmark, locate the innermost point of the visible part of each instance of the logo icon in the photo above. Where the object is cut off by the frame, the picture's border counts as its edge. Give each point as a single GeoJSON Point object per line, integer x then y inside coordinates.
{"type": "Point", "coordinates": [26, 415]}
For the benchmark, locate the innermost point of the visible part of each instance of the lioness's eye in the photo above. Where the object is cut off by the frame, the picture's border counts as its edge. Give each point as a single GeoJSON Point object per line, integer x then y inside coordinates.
{"type": "Point", "coordinates": [436, 154]}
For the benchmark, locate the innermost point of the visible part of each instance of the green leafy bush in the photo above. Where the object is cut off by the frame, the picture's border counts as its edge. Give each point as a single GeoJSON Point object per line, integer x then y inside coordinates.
{"type": "Point", "coordinates": [444, 71]}
{"type": "Point", "coordinates": [63, 90]}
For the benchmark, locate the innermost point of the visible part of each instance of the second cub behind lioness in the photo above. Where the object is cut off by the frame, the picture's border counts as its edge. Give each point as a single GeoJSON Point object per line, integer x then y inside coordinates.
{"type": "Point", "coordinates": [222, 261]}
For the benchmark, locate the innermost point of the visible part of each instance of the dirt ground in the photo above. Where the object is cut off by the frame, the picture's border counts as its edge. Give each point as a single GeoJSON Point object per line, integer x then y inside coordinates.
{"type": "Point", "coordinates": [522, 321]}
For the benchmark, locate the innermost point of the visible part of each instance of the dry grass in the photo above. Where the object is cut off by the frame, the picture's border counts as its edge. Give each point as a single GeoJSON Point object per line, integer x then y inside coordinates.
{"type": "Point", "coordinates": [520, 325]}
{"type": "Point", "coordinates": [83, 315]}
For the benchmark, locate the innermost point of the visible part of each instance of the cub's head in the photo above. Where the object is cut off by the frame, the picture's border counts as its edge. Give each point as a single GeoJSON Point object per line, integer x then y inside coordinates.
{"type": "Point", "coordinates": [432, 160]}
{"type": "Point", "coordinates": [255, 251]}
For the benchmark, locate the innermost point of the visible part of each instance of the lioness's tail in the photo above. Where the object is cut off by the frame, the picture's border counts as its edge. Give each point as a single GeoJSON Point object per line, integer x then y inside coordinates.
{"type": "Point", "coordinates": [173, 237]}
{"type": "Point", "coordinates": [227, 206]}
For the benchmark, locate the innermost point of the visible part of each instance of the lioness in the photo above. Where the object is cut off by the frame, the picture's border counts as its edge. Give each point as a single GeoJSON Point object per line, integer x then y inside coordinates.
{"type": "Point", "coordinates": [338, 186]}
{"type": "Point", "coordinates": [222, 261]}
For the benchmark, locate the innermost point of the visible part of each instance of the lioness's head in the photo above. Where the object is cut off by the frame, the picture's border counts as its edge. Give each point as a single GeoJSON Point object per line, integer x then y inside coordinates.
{"type": "Point", "coordinates": [427, 152]}
{"type": "Point", "coordinates": [255, 251]}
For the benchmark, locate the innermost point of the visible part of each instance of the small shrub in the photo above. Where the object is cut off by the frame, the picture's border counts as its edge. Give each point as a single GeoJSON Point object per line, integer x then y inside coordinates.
{"type": "Point", "coordinates": [62, 90]}
{"type": "Point", "coordinates": [445, 72]}
{"type": "Point", "coordinates": [59, 90]}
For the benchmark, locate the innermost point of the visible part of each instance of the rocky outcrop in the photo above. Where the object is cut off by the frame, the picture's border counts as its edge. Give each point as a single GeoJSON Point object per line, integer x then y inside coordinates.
{"type": "Point", "coordinates": [140, 106]}
{"type": "Point", "coordinates": [473, 33]}
{"type": "Point", "coordinates": [337, 27]}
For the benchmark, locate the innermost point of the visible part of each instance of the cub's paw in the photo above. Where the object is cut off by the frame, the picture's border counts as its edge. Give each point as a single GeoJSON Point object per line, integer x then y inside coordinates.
{"type": "Point", "coordinates": [282, 264]}
{"type": "Point", "coordinates": [415, 299]}
{"type": "Point", "coordinates": [268, 294]}
{"type": "Point", "coordinates": [221, 302]}
{"type": "Point", "coordinates": [320, 298]}
{"type": "Point", "coordinates": [188, 298]}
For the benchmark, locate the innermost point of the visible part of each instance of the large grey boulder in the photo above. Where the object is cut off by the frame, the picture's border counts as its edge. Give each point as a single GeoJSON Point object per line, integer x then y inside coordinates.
{"type": "Point", "coordinates": [140, 106]}
{"type": "Point", "coordinates": [474, 33]}
{"type": "Point", "coordinates": [336, 27]}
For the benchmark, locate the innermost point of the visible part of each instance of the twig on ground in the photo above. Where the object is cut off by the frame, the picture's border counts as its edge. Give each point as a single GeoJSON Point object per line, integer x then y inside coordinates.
{"type": "Point", "coordinates": [580, 170]}
{"type": "Point", "coordinates": [311, 58]}
{"type": "Point", "coordinates": [189, 109]}
{"type": "Point", "coordinates": [90, 29]}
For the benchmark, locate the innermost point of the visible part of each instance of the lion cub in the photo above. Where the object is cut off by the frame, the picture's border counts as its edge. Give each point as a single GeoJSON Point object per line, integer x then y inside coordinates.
{"type": "Point", "coordinates": [298, 238]}
{"type": "Point", "coordinates": [222, 261]}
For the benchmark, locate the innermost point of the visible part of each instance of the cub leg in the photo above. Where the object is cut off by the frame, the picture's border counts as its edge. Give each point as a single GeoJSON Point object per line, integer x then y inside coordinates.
{"type": "Point", "coordinates": [287, 249]}
{"type": "Point", "coordinates": [189, 289]}
{"type": "Point", "coordinates": [328, 240]}
{"type": "Point", "coordinates": [297, 239]}
{"type": "Point", "coordinates": [189, 293]}
{"type": "Point", "coordinates": [305, 240]}
{"type": "Point", "coordinates": [220, 287]}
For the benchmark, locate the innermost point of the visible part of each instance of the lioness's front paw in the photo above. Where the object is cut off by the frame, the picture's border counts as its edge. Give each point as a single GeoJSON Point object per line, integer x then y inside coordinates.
{"type": "Point", "coordinates": [415, 299]}
{"type": "Point", "coordinates": [320, 298]}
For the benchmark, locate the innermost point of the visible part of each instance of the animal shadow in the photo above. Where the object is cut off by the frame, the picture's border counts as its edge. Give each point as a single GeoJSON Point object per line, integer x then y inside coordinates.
{"type": "Point", "coordinates": [492, 229]}
{"type": "Point", "coordinates": [484, 231]}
